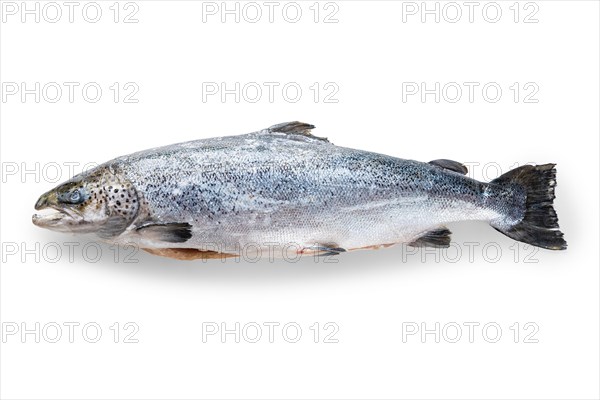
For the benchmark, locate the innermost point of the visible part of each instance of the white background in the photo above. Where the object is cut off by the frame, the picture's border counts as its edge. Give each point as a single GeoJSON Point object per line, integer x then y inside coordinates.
{"type": "Point", "coordinates": [368, 54]}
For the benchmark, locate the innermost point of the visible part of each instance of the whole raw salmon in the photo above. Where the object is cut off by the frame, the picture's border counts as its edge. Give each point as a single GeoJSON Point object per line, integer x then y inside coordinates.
{"type": "Point", "coordinates": [284, 190]}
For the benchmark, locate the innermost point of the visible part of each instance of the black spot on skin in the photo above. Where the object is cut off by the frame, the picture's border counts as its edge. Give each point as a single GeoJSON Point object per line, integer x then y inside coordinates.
{"type": "Point", "coordinates": [116, 190]}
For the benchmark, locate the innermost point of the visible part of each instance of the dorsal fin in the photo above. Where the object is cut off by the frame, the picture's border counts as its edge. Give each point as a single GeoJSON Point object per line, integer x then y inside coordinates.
{"type": "Point", "coordinates": [450, 165]}
{"type": "Point", "coordinates": [295, 128]}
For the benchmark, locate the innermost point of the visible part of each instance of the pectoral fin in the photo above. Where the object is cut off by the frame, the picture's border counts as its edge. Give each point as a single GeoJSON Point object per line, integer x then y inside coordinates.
{"type": "Point", "coordinates": [171, 233]}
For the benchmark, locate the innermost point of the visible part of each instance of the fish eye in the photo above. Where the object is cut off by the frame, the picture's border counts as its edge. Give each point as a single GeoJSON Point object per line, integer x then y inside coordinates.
{"type": "Point", "coordinates": [75, 197]}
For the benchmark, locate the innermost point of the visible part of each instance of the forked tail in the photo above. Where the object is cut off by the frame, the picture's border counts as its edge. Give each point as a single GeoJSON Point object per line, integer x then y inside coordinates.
{"type": "Point", "coordinates": [531, 218]}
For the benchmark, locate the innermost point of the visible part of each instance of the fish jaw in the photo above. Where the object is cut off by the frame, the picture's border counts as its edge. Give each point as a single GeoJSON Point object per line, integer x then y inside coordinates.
{"type": "Point", "coordinates": [56, 221]}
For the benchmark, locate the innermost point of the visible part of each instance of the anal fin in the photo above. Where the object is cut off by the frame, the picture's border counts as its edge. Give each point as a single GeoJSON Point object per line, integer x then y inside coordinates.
{"type": "Point", "coordinates": [435, 238]}
{"type": "Point", "coordinates": [189, 254]}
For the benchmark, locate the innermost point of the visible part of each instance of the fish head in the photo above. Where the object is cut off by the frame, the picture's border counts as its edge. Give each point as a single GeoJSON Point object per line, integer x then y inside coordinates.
{"type": "Point", "coordinates": [100, 202]}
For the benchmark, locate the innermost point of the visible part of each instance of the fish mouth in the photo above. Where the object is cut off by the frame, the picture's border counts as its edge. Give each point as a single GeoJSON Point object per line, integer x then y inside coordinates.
{"type": "Point", "coordinates": [51, 216]}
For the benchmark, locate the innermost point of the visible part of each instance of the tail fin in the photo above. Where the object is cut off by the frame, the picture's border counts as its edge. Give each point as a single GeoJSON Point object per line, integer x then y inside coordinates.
{"type": "Point", "coordinates": [539, 223]}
